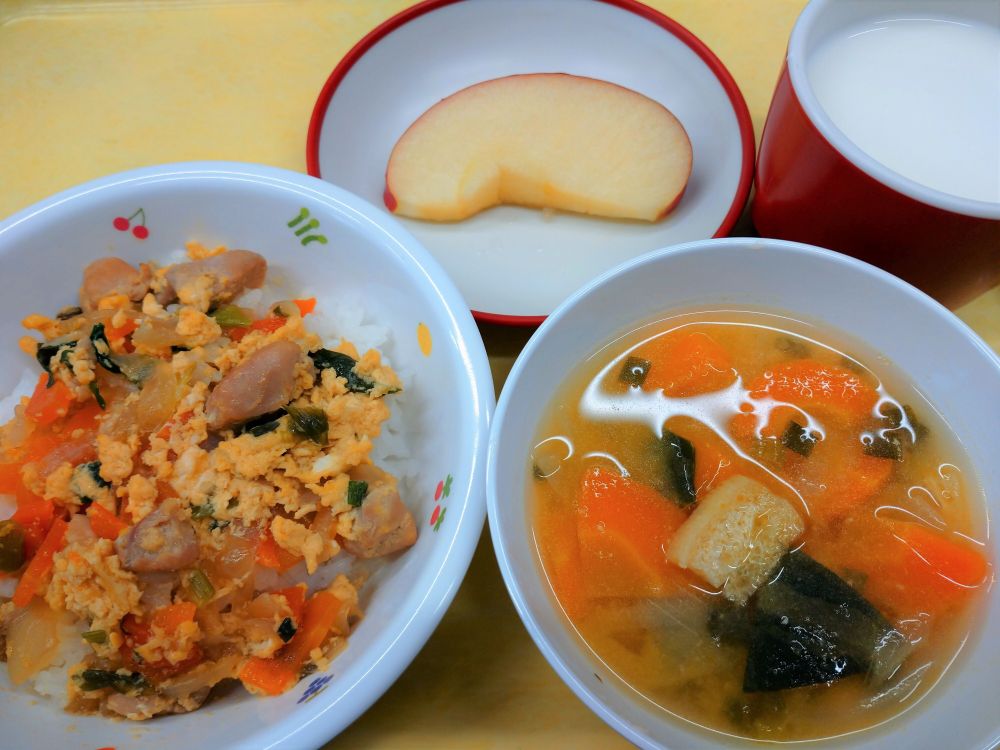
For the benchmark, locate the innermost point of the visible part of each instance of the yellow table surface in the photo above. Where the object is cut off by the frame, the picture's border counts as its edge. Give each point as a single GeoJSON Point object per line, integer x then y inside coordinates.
{"type": "Point", "coordinates": [89, 87]}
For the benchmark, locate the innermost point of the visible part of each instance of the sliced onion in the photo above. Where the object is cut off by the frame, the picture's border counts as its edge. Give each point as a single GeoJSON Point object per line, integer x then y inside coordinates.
{"type": "Point", "coordinates": [32, 641]}
{"type": "Point", "coordinates": [203, 676]}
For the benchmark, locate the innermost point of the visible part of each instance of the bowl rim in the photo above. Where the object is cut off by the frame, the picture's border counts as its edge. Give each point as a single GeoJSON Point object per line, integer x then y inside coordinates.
{"type": "Point", "coordinates": [669, 25]}
{"type": "Point", "coordinates": [418, 625]}
{"type": "Point", "coordinates": [581, 689]}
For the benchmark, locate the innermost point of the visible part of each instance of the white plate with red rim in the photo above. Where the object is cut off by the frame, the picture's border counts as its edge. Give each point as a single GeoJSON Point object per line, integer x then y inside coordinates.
{"type": "Point", "coordinates": [515, 265]}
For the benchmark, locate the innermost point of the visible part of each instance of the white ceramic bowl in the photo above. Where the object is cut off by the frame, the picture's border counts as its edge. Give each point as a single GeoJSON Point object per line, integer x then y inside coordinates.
{"type": "Point", "coordinates": [42, 253]}
{"type": "Point", "coordinates": [514, 265]}
{"type": "Point", "coordinates": [955, 369]}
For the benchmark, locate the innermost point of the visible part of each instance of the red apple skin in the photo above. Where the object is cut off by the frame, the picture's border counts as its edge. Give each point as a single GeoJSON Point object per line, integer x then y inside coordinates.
{"type": "Point", "coordinates": [389, 199]}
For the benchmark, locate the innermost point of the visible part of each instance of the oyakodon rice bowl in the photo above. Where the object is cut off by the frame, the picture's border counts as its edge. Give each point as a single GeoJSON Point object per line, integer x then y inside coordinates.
{"type": "Point", "coordinates": [209, 479]}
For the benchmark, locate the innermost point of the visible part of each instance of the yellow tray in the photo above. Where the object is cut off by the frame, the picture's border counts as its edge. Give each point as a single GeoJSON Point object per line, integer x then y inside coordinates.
{"type": "Point", "coordinates": [90, 87]}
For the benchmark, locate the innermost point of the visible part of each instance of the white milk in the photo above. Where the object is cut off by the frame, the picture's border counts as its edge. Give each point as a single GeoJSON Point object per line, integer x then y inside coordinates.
{"type": "Point", "coordinates": [920, 96]}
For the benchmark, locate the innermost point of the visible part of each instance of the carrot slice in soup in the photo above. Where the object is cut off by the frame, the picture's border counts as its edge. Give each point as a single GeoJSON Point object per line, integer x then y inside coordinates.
{"type": "Point", "coordinates": [811, 385]}
{"type": "Point", "coordinates": [686, 364]}
{"type": "Point", "coordinates": [560, 550]}
{"type": "Point", "coordinates": [624, 528]}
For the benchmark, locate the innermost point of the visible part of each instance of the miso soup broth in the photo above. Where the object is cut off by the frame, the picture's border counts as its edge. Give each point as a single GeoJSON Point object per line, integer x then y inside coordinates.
{"type": "Point", "coordinates": [758, 529]}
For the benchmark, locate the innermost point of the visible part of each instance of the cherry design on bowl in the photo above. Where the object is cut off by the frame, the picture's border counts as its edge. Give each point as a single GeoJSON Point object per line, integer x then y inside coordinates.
{"type": "Point", "coordinates": [440, 493]}
{"type": "Point", "coordinates": [140, 231]}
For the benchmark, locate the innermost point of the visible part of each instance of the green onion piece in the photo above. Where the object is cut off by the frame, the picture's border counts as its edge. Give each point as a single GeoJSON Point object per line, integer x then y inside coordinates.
{"type": "Point", "coordinates": [69, 312]}
{"type": "Point", "coordinates": [95, 636]}
{"type": "Point", "coordinates": [102, 349]}
{"type": "Point", "coordinates": [356, 492]}
{"type": "Point", "coordinates": [138, 368]}
{"type": "Point", "coordinates": [286, 629]}
{"type": "Point", "coordinates": [231, 316]}
{"type": "Point", "coordinates": [308, 422]}
{"type": "Point", "coordinates": [634, 371]}
{"type": "Point", "coordinates": [797, 438]}
{"type": "Point", "coordinates": [201, 587]}
{"type": "Point", "coordinates": [11, 546]}
{"type": "Point", "coordinates": [98, 679]}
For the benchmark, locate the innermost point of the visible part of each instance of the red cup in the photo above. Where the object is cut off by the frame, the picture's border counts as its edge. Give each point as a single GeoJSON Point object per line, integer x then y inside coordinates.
{"type": "Point", "coordinates": [816, 186]}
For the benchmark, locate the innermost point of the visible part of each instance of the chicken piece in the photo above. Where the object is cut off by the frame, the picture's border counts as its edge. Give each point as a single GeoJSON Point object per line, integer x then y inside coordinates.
{"type": "Point", "coordinates": [163, 540]}
{"type": "Point", "coordinates": [260, 384]}
{"type": "Point", "coordinates": [382, 525]}
{"type": "Point", "coordinates": [107, 276]}
{"type": "Point", "coordinates": [219, 278]}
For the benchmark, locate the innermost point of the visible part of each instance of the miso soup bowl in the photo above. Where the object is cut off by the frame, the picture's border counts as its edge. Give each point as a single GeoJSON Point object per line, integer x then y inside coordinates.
{"type": "Point", "coordinates": [324, 240]}
{"type": "Point", "coordinates": [815, 185]}
{"type": "Point", "coordinates": [953, 367]}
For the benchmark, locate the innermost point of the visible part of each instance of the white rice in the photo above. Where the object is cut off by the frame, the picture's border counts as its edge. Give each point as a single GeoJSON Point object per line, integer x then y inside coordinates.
{"type": "Point", "coordinates": [24, 387]}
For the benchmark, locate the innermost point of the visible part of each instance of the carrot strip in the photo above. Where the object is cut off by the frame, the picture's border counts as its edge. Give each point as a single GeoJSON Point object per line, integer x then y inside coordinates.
{"type": "Point", "coordinates": [105, 523]}
{"type": "Point", "coordinates": [48, 403]}
{"type": "Point", "coordinates": [272, 555]}
{"type": "Point", "coordinates": [305, 306]}
{"type": "Point", "coordinates": [34, 515]}
{"type": "Point", "coordinates": [275, 675]}
{"type": "Point", "coordinates": [40, 565]}
{"type": "Point", "coordinates": [296, 598]}
{"type": "Point", "coordinates": [172, 616]}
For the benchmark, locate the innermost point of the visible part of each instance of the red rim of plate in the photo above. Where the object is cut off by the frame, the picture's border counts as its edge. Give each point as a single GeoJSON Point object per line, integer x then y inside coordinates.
{"type": "Point", "coordinates": [643, 11]}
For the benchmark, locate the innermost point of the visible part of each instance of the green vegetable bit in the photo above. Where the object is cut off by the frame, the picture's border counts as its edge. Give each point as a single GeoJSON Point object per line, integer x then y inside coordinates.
{"type": "Point", "coordinates": [797, 438]}
{"type": "Point", "coordinates": [343, 365]}
{"type": "Point", "coordinates": [98, 679]}
{"type": "Point", "coordinates": [231, 316]}
{"type": "Point", "coordinates": [884, 446]}
{"type": "Point", "coordinates": [102, 349]}
{"type": "Point", "coordinates": [97, 394]}
{"type": "Point", "coordinates": [47, 351]}
{"type": "Point", "coordinates": [634, 371]}
{"type": "Point", "coordinates": [95, 636]}
{"type": "Point", "coordinates": [201, 587]}
{"type": "Point", "coordinates": [11, 546]}
{"type": "Point", "coordinates": [308, 422]}
{"type": "Point", "coordinates": [286, 629]}
{"type": "Point", "coordinates": [680, 467]}
{"type": "Point", "coordinates": [69, 312]}
{"type": "Point", "coordinates": [138, 368]}
{"type": "Point", "coordinates": [94, 469]}
{"type": "Point", "coordinates": [356, 492]}
{"type": "Point", "coordinates": [205, 510]}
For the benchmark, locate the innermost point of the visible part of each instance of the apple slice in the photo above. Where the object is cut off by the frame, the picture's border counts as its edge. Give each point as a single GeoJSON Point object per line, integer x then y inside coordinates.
{"type": "Point", "coordinates": [547, 140]}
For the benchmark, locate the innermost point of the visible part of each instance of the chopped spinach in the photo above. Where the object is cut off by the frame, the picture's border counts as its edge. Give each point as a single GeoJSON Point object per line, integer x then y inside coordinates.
{"type": "Point", "coordinates": [261, 425]}
{"type": "Point", "coordinates": [94, 469]}
{"type": "Point", "coordinates": [308, 422]}
{"type": "Point", "coordinates": [98, 679]}
{"type": "Point", "coordinates": [634, 371]}
{"type": "Point", "coordinates": [46, 351]}
{"type": "Point", "coordinates": [215, 523]}
{"type": "Point", "coordinates": [343, 365]}
{"type": "Point", "coordinates": [356, 492]}
{"type": "Point", "coordinates": [797, 438]}
{"type": "Point", "coordinates": [286, 629]}
{"type": "Point", "coordinates": [102, 349]}
{"type": "Point", "coordinates": [680, 467]}
{"type": "Point", "coordinates": [231, 316]}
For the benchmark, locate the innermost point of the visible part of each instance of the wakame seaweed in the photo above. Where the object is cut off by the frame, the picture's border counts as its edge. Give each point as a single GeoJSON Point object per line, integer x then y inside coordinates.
{"type": "Point", "coordinates": [680, 459]}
